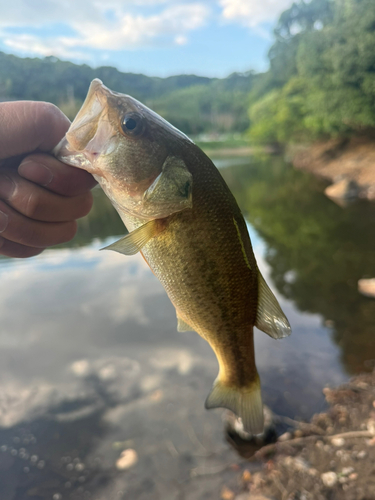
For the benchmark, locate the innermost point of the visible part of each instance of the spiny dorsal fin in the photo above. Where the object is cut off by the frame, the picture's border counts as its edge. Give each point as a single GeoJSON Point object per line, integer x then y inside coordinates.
{"type": "Point", "coordinates": [134, 241]}
{"type": "Point", "coordinates": [182, 326]}
{"type": "Point", "coordinates": [270, 318]}
{"type": "Point", "coordinates": [245, 402]}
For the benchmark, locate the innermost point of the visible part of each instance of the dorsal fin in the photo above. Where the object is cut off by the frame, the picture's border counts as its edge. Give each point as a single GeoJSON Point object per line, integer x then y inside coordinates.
{"type": "Point", "coordinates": [270, 318]}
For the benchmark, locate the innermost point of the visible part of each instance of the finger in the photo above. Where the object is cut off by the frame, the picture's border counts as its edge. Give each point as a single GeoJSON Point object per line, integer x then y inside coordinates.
{"type": "Point", "coordinates": [49, 172]}
{"type": "Point", "coordinates": [40, 204]}
{"type": "Point", "coordinates": [11, 249]}
{"type": "Point", "coordinates": [28, 126]}
{"type": "Point", "coordinates": [19, 229]}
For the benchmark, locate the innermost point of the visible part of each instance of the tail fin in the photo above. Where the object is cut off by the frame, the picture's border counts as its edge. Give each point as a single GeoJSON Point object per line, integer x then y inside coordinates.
{"type": "Point", "coordinates": [245, 402]}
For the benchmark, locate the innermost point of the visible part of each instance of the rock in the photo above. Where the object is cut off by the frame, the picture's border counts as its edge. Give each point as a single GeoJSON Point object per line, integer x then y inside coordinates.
{"type": "Point", "coordinates": [343, 189]}
{"type": "Point", "coordinates": [244, 443]}
{"type": "Point", "coordinates": [362, 454]}
{"type": "Point", "coordinates": [329, 479]}
{"type": "Point", "coordinates": [313, 472]}
{"type": "Point", "coordinates": [347, 470]}
{"type": "Point", "coordinates": [296, 463]}
{"type": "Point", "coordinates": [353, 476]}
{"type": "Point", "coordinates": [338, 441]}
{"type": "Point", "coordinates": [285, 437]}
{"type": "Point", "coordinates": [234, 424]}
{"type": "Point", "coordinates": [258, 480]}
{"type": "Point", "coordinates": [367, 287]}
{"type": "Point", "coordinates": [301, 464]}
{"type": "Point", "coordinates": [227, 494]}
{"type": "Point", "coordinates": [371, 426]}
{"type": "Point", "coordinates": [127, 459]}
{"type": "Point", "coordinates": [246, 476]}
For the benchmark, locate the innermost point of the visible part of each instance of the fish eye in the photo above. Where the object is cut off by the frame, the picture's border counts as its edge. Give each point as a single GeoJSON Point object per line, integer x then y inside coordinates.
{"type": "Point", "coordinates": [132, 124]}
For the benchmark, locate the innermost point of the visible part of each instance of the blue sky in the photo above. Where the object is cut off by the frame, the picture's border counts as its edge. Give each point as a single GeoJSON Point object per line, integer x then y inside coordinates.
{"type": "Point", "coordinates": [155, 37]}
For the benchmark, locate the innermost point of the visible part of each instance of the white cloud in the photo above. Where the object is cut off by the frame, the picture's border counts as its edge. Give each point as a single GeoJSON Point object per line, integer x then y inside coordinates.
{"type": "Point", "coordinates": [135, 31]}
{"type": "Point", "coordinates": [252, 13]}
{"type": "Point", "coordinates": [49, 47]}
{"type": "Point", "coordinates": [181, 40]}
{"type": "Point", "coordinates": [115, 25]}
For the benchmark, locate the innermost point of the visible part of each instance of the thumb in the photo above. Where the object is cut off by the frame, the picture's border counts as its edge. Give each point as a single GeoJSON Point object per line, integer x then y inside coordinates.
{"type": "Point", "coordinates": [26, 126]}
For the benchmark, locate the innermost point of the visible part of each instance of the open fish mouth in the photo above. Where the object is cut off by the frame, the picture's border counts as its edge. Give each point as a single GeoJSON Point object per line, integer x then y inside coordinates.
{"type": "Point", "coordinates": [91, 134]}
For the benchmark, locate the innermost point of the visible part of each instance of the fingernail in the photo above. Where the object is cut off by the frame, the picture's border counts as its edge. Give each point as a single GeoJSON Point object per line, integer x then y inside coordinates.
{"type": "Point", "coordinates": [3, 221]}
{"type": "Point", "coordinates": [7, 187]}
{"type": "Point", "coordinates": [35, 172]}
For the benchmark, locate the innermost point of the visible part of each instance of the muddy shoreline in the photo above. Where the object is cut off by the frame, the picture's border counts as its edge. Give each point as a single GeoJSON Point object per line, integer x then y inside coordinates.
{"type": "Point", "coordinates": [349, 164]}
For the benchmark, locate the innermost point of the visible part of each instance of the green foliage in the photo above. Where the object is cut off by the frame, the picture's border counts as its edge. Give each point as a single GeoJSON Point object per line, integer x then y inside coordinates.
{"type": "Point", "coordinates": [324, 54]}
{"type": "Point", "coordinates": [218, 106]}
{"type": "Point", "coordinates": [279, 115]}
{"type": "Point", "coordinates": [192, 103]}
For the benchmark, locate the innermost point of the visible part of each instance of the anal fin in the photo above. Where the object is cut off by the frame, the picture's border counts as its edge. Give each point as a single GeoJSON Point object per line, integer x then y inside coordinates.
{"type": "Point", "coordinates": [182, 326]}
{"type": "Point", "coordinates": [134, 241]}
{"type": "Point", "coordinates": [270, 318]}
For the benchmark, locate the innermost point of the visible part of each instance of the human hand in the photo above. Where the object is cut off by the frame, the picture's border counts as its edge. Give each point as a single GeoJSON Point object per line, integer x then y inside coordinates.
{"type": "Point", "coordinates": [40, 197]}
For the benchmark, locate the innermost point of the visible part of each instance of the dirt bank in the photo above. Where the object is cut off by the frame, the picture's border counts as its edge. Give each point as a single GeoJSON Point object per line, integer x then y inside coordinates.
{"type": "Point", "coordinates": [332, 457]}
{"type": "Point", "coordinates": [348, 164]}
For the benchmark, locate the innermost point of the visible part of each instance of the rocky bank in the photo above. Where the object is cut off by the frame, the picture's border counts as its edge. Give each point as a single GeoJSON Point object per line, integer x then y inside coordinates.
{"type": "Point", "coordinates": [332, 457]}
{"type": "Point", "coordinates": [349, 164]}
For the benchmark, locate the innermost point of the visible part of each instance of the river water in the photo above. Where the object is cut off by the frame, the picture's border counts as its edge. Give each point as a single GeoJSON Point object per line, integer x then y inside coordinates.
{"type": "Point", "coordinates": [91, 363]}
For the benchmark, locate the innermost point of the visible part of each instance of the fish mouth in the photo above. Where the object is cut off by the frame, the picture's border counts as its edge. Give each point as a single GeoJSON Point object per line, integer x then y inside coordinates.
{"type": "Point", "coordinates": [90, 134]}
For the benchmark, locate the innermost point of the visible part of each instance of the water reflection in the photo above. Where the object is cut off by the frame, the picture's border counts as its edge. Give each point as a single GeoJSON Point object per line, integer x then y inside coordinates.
{"type": "Point", "coordinates": [91, 363]}
{"type": "Point", "coordinates": [317, 251]}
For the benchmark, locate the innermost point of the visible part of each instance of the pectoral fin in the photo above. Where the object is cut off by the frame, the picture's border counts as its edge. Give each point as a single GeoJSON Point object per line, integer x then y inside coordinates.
{"type": "Point", "coordinates": [134, 241]}
{"type": "Point", "coordinates": [171, 191]}
{"type": "Point", "coordinates": [270, 318]}
{"type": "Point", "coordinates": [182, 326]}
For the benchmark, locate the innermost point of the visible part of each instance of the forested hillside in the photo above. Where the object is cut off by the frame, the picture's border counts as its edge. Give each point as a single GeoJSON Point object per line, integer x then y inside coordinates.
{"type": "Point", "coordinates": [321, 81]}
{"type": "Point", "coordinates": [192, 103]}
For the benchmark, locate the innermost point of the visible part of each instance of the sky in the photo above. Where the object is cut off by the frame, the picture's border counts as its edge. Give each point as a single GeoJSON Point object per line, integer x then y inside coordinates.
{"type": "Point", "coordinates": [154, 37]}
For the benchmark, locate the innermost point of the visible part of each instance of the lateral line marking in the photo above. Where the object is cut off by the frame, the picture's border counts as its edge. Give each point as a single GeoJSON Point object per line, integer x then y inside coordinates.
{"type": "Point", "coordinates": [242, 245]}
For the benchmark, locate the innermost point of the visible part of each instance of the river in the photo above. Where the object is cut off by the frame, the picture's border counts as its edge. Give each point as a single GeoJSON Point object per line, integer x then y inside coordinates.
{"type": "Point", "coordinates": [91, 363]}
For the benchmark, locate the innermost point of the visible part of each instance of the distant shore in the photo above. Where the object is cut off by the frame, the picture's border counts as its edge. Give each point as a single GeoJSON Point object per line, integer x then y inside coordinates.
{"type": "Point", "coordinates": [229, 151]}
{"type": "Point", "coordinates": [349, 164]}
{"type": "Point", "coordinates": [233, 150]}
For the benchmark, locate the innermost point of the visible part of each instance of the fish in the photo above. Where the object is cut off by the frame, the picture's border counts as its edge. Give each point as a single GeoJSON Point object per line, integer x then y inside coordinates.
{"type": "Point", "coordinates": [184, 220]}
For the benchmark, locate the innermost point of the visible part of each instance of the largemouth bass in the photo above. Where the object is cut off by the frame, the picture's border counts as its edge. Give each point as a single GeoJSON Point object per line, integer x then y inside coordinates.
{"type": "Point", "coordinates": [182, 217]}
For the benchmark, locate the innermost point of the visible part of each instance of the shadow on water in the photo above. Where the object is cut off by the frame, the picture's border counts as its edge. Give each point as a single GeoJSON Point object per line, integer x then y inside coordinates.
{"type": "Point", "coordinates": [93, 365]}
